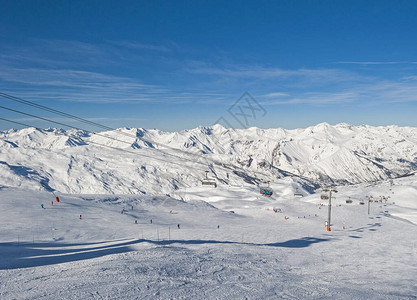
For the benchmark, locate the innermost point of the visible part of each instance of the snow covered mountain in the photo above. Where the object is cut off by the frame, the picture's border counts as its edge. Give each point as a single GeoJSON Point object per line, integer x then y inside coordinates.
{"type": "Point", "coordinates": [223, 243]}
{"type": "Point", "coordinates": [143, 161]}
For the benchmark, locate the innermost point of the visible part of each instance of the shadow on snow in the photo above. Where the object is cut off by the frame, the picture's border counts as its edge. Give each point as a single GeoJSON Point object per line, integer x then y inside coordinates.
{"type": "Point", "coordinates": [27, 255]}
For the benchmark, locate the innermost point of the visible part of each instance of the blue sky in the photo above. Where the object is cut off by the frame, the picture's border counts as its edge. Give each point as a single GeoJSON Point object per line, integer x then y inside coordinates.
{"type": "Point", "coordinates": [178, 64]}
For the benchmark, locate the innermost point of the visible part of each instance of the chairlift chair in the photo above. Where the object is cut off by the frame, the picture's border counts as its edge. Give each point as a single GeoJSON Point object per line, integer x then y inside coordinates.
{"type": "Point", "coordinates": [298, 194]}
{"type": "Point", "coordinates": [266, 190]}
{"type": "Point", "coordinates": [209, 181]}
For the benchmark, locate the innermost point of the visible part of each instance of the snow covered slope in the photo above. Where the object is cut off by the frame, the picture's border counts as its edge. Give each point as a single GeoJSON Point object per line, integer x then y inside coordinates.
{"type": "Point", "coordinates": [252, 252]}
{"type": "Point", "coordinates": [227, 242]}
{"type": "Point", "coordinates": [76, 162]}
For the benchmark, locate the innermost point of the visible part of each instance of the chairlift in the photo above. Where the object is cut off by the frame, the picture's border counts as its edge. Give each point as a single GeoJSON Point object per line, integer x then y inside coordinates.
{"type": "Point", "coordinates": [298, 194]}
{"type": "Point", "coordinates": [266, 190]}
{"type": "Point", "coordinates": [209, 181]}
{"type": "Point", "coordinates": [324, 197]}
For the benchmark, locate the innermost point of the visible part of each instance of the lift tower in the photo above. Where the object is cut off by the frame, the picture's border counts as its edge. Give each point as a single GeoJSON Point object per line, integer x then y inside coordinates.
{"type": "Point", "coordinates": [330, 190]}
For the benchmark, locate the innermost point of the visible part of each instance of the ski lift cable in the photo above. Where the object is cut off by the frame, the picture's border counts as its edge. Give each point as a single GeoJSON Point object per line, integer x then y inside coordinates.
{"type": "Point", "coordinates": [95, 143]}
{"type": "Point", "coordinates": [91, 142]}
{"type": "Point", "coordinates": [63, 124]}
{"type": "Point", "coordinates": [33, 104]}
{"type": "Point", "coordinates": [42, 107]}
{"type": "Point", "coordinates": [105, 136]}
{"type": "Point", "coordinates": [195, 155]}
{"type": "Point", "coordinates": [220, 164]}
{"type": "Point", "coordinates": [43, 130]}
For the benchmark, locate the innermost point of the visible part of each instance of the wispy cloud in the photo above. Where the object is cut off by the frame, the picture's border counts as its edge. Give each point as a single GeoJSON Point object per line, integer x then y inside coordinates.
{"type": "Point", "coordinates": [328, 75]}
{"type": "Point", "coordinates": [61, 70]}
{"type": "Point", "coordinates": [411, 77]}
{"type": "Point", "coordinates": [53, 53]}
{"type": "Point", "coordinates": [82, 86]}
{"type": "Point", "coordinates": [275, 95]}
{"type": "Point", "coordinates": [316, 99]}
{"type": "Point", "coordinates": [140, 46]}
{"type": "Point", "coordinates": [67, 78]}
{"type": "Point", "coordinates": [375, 62]}
{"type": "Point", "coordinates": [76, 85]}
{"type": "Point", "coordinates": [392, 92]}
{"type": "Point", "coordinates": [76, 71]}
{"type": "Point", "coordinates": [374, 93]}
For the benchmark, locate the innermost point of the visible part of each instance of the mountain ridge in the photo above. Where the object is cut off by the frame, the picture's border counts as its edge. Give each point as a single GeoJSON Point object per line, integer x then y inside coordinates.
{"type": "Point", "coordinates": [73, 160]}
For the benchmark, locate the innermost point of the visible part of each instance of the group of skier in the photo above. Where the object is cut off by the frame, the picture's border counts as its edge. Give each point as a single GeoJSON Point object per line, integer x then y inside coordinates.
{"type": "Point", "coordinates": [123, 210]}
{"type": "Point", "coordinates": [52, 202]}
{"type": "Point", "coordinates": [57, 200]}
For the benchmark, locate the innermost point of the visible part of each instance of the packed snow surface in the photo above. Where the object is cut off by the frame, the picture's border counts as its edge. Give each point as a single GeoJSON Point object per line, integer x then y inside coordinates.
{"type": "Point", "coordinates": [231, 245]}
{"type": "Point", "coordinates": [134, 220]}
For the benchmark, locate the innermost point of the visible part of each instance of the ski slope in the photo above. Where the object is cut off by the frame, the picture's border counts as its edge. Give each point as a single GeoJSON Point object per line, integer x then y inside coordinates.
{"type": "Point", "coordinates": [230, 244]}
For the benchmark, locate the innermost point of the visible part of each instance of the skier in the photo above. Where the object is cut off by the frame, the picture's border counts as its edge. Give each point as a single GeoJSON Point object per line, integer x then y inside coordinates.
{"type": "Point", "coordinates": [136, 221]}
{"type": "Point", "coordinates": [178, 226]}
{"type": "Point", "coordinates": [80, 217]}
{"type": "Point", "coordinates": [42, 205]}
{"type": "Point", "coordinates": [151, 221]}
{"type": "Point", "coordinates": [218, 226]}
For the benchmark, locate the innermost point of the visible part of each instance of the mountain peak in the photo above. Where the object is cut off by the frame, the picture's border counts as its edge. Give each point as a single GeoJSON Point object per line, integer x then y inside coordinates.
{"type": "Point", "coordinates": [218, 127]}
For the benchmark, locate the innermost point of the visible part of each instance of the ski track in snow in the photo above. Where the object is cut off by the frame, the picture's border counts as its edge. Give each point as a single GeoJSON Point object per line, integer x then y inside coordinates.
{"type": "Point", "coordinates": [256, 254]}
{"type": "Point", "coordinates": [230, 244]}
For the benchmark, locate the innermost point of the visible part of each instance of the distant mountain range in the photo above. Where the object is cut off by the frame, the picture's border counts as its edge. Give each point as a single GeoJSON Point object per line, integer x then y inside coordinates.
{"type": "Point", "coordinates": [136, 160]}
